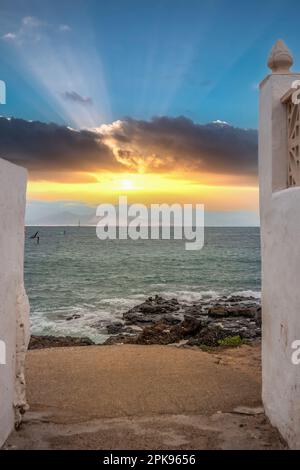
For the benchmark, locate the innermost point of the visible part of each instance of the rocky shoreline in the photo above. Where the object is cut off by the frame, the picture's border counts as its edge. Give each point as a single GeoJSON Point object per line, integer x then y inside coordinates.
{"type": "Point", "coordinates": [225, 321]}
{"type": "Point", "coordinates": [40, 342]}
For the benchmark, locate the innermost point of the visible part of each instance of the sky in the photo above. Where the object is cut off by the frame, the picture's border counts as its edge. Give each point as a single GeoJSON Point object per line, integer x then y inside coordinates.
{"type": "Point", "coordinates": [156, 99]}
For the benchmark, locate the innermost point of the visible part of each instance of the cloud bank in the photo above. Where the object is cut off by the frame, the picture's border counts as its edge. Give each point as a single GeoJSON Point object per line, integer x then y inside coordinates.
{"type": "Point", "coordinates": [163, 144]}
{"type": "Point", "coordinates": [43, 148]}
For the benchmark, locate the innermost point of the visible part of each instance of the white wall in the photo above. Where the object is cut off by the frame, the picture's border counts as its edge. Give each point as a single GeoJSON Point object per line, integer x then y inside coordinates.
{"type": "Point", "coordinates": [14, 308]}
{"type": "Point", "coordinates": [280, 238]}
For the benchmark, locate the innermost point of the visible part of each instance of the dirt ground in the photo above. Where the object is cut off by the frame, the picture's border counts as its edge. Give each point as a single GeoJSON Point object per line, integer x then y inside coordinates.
{"type": "Point", "coordinates": [144, 397]}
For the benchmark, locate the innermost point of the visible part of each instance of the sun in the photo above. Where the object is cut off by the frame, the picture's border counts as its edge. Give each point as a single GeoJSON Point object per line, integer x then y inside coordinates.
{"type": "Point", "coordinates": [127, 184]}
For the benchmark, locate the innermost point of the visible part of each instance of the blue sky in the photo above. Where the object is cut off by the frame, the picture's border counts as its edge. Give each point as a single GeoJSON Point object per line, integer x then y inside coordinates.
{"type": "Point", "coordinates": [201, 59]}
{"type": "Point", "coordinates": [88, 64]}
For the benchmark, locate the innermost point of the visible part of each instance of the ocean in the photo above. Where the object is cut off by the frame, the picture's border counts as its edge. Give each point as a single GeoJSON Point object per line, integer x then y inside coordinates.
{"type": "Point", "coordinates": [78, 284]}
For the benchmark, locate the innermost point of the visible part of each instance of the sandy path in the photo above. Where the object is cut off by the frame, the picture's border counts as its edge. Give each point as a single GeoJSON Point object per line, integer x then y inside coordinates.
{"type": "Point", "coordinates": [130, 380]}
{"type": "Point", "coordinates": [143, 397]}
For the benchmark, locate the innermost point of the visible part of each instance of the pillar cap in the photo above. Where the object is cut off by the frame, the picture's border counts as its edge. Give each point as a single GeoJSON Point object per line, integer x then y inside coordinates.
{"type": "Point", "coordinates": [280, 59]}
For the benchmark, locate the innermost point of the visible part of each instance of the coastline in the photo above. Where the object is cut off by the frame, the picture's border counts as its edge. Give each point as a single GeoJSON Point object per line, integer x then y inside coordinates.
{"type": "Point", "coordinates": [227, 321]}
{"type": "Point", "coordinates": [164, 370]}
{"type": "Point", "coordinates": [103, 287]}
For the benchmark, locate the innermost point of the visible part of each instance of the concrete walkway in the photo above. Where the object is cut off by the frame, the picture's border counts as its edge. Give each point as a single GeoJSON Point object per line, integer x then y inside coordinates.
{"type": "Point", "coordinates": [144, 397]}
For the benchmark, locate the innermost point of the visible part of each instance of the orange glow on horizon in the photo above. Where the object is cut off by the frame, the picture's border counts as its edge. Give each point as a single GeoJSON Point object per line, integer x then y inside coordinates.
{"type": "Point", "coordinates": [224, 194]}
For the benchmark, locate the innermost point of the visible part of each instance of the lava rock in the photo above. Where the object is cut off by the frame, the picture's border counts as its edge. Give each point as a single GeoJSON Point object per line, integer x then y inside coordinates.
{"type": "Point", "coordinates": [40, 342]}
{"type": "Point", "coordinates": [204, 322]}
{"type": "Point", "coordinates": [114, 328]}
{"type": "Point", "coordinates": [153, 310]}
{"type": "Point", "coordinates": [73, 317]}
{"type": "Point", "coordinates": [209, 336]}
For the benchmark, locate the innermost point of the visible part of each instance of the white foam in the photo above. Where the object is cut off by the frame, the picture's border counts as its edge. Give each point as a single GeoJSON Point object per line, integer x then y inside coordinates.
{"type": "Point", "coordinates": [248, 293]}
{"type": "Point", "coordinates": [93, 319]}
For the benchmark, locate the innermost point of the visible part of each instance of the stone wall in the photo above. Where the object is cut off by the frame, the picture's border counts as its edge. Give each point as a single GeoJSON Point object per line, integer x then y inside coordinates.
{"type": "Point", "coordinates": [14, 307]}
{"type": "Point", "coordinates": [280, 240]}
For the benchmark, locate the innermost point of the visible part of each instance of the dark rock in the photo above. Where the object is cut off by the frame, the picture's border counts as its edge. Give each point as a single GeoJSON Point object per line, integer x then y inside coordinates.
{"type": "Point", "coordinates": [204, 322]}
{"type": "Point", "coordinates": [238, 310]}
{"type": "Point", "coordinates": [119, 339]}
{"type": "Point", "coordinates": [73, 317]}
{"type": "Point", "coordinates": [258, 316]}
{"type": "Point", "coordinates": [190, 326]}
{"type": "Point", "coordinates": [153, 310]}
{"type": "Point", "coordinates": [162, 333]}
{"type": "Point", "coordinates": [195, 310]}
{"type": "Point", "coordinates": [157, 334]}
{"type": "Point", "coordinates": [171, 319]}
{"type": "Point", "coordinates": [114, 328]}
{"type": "Point", "coordinates": [208, 336]}
{"type": "Point", "coordinates": [40, 342]}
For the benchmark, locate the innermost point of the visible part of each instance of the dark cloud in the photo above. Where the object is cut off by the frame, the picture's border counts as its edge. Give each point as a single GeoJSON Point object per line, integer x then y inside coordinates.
{"type": "Point", "coordinates": [43, 148]}
{"type": "Point", "coordinates": [166, 143]}
{"type": "Point", "coordinates": [77, 98]}
{"type": "Point", "coordinates": [161, 145]}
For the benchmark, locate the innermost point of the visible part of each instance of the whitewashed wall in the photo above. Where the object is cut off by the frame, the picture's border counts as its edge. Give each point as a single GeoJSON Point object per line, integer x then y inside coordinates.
{"type": "Point", "coordinates": [14, 308]}
{"type": "Point", "coordinates": [280, 238]}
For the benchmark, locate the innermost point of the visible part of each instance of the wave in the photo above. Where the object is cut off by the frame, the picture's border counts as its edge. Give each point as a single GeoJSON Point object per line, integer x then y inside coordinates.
{"type": "Point", "coordinates": [91, 321]}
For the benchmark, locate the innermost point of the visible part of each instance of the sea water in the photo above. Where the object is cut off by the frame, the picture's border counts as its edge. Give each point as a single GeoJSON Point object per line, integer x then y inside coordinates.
{"type": "Point", "coordinates": [77, 284]}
